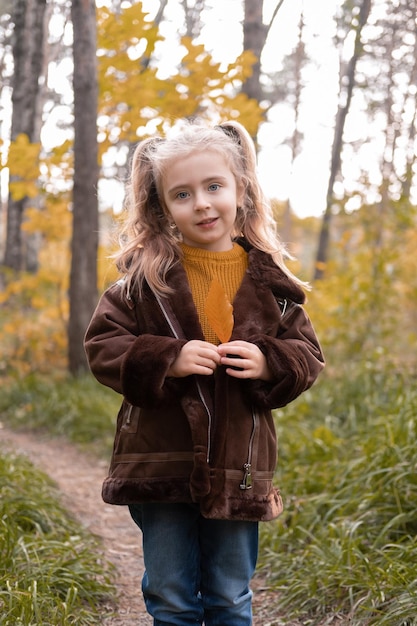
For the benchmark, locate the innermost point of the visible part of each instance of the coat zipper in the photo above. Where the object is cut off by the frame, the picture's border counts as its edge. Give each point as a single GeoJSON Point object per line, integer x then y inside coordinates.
{"type": "Point", "coordinates": [200, 393]}
{"type": "Point", "coordinates": [247, 467]}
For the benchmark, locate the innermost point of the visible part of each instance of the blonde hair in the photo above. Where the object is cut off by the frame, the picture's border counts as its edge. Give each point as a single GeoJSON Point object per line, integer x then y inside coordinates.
{"type": "Point", "coordinates": [149, 242]}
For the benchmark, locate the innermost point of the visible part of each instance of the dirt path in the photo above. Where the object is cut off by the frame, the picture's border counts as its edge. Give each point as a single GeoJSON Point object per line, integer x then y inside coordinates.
{"type": "Point", "coordinates": [79, 478]}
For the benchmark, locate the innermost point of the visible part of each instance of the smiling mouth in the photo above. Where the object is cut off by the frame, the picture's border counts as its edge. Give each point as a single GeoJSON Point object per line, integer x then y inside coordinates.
{"type": "Point", "coordinates": [207, 222]}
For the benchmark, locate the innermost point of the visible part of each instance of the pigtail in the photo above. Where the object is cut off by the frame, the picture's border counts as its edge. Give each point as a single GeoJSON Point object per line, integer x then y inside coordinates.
{"type": "Point", "coordinates": [147, 245]}
{"type": "Point", "coordinates": [240, 135]}
{"type": "Point", "coordinates": [255, 220]}
{"type": "Point", "coordinates": [144, 196]}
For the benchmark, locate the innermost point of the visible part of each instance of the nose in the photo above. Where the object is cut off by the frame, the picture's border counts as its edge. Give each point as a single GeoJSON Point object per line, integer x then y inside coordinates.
{"type": "Point", "coordinates": [201, 201]}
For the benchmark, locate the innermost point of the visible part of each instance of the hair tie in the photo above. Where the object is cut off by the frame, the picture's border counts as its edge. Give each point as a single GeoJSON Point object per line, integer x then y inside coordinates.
{"type": "Point", "coordinates": [231, 132]}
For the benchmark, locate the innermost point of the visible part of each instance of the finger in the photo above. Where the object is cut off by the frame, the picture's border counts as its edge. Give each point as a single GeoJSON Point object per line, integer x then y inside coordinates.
{"type": "Point", "coordinates": [209, 364]}
{"type": "Point", "coordinates": [237, 372]}
{"type": "Point", "coordinates": [211, 355]}
{"type": "Point", "coordinates": [233, 359]}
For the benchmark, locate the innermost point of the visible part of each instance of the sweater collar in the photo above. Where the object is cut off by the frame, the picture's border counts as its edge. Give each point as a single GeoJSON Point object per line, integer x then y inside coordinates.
{"type": "Point", "coordinates": [263, 271]}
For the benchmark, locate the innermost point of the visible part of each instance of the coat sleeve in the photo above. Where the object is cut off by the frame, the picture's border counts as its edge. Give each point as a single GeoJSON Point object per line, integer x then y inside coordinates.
{"type": "Point", "coordinates": [294, 357]}
{"type": "Point", "coordinates": [132, 363]}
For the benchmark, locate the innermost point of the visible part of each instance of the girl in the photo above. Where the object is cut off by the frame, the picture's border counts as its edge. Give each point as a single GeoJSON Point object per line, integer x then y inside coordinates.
{"type": "Point", "coordinates": [195, 448]}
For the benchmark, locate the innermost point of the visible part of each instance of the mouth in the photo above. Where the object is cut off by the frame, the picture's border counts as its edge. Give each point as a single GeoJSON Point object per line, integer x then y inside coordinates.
{"type": "Point", "coordinates": [208, 222]}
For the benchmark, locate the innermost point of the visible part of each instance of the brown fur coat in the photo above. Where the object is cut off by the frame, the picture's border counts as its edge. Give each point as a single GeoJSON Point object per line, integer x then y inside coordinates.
{"type": "Point", "coordinates": [205, 439]}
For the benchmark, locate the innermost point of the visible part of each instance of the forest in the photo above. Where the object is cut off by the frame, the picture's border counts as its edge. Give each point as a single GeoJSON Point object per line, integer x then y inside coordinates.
{"type": "Point", "coordinates": [330, 98]}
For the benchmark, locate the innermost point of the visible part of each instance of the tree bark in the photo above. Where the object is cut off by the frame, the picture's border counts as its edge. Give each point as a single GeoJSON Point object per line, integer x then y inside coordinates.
{"type": "Point", "coordinates": [411, 156]}
{"type": "Point", "coordinates": [254, 38]}
{"type": "Point", "coordinates": [324, 238]}
{"type": "Point", "coordinates": [255, 34]}
{"type": "Point", "coordinates": [84, 245]}
{"type": "Point", "coordinates": [192, 17]}
{"type": "Point", "coordinates": [299, 58]}
{"type": "Point", "coordinates": [28, 17]}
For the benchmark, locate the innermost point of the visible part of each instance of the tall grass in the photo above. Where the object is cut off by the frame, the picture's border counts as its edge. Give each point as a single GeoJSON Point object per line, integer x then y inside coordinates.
{"type": "Point", "coordinates": [79, 409]}
{"type": "Point", "coordinates": [50, 570]}
{"type": "Point", "coordinates": [346, 544]}
{"type": "Point", "coordinates": [347, 541]}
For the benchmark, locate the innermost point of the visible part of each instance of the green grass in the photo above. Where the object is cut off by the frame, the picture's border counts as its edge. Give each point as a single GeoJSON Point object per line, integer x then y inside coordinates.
{"type": "Point", "coordinates": [346, 543]}
{"type": "Point", "coordinates": [79, 409]}
{"type": "Point", "coordinates": [50, 569]}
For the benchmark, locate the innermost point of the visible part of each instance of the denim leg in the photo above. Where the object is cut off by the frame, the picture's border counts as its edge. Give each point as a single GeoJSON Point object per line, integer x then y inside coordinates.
{"type": "Point", "coordinates": [172, 560]}
{"type": "Point", "coordinates": [229, 551]}
{"type": "Point", "coordinates": [197, 570]}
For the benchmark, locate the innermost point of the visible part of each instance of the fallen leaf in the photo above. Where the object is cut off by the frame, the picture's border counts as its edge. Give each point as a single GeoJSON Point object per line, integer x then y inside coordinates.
{"type": "Point", "coordinates": [219, 311]}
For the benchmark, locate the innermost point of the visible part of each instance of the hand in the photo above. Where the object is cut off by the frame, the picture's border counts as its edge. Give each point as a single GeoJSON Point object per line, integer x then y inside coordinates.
{"type": "Point", "coordinates": [196, 357]}
{"type": "Point", "coordinates": [252, 361]}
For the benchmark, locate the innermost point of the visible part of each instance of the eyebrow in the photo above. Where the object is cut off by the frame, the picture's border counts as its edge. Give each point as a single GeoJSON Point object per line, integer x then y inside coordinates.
{"type": "Point", "coordinates": [204, 181]}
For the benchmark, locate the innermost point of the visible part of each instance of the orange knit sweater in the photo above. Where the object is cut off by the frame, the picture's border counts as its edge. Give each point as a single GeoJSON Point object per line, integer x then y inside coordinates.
{"type": "Point", "coordinates": [202, 266]}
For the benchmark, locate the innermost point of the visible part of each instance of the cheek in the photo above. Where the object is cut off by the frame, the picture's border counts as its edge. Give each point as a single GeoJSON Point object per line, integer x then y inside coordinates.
{"type": "Point", "coordinates": [167, 215]}
{"type": "Point", "coordinates": [179, 218]}
{"type": "Point", "coordinates": [168, 210]}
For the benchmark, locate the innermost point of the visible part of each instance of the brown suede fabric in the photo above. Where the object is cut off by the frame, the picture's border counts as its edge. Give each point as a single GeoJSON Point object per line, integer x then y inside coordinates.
{"type": "Point", "coordinates": [189, 439]}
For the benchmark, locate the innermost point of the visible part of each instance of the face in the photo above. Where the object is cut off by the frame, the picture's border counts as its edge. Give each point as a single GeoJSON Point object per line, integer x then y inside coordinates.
{"type": "Point", "coordinates": [202, 196]}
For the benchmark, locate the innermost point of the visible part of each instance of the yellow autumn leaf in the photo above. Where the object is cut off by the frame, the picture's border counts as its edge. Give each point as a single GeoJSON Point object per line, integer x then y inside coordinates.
{"type": "Point", "coordinates": [219, 311]}
{"type": "Point", "coordinates": [20, 189]}
{"type": "Point", "coordinates": [132, 92]}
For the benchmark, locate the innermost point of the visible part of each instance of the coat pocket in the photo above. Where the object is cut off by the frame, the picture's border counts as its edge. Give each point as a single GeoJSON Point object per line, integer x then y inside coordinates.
{"type": "Point", "coordinates": [130, 418]}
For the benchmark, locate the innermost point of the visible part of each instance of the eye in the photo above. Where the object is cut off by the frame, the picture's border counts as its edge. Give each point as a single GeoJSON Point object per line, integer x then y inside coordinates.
{"type": "Point", "coordinates": [214, 187]}
{"type": "Point", "coordinates": [181, 195]}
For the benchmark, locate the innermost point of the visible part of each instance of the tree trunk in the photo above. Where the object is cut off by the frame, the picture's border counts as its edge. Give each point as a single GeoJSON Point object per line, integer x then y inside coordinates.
{"type": "Point", "coordinates": [254, 38]}
{"type": "Point", "coordinates": [255, 34]}
{"type": "Point", "coordinates": [193, 17]}
{"type": "Point", "coordinates": [299, 58]}
{"type": "Point", "coordinates": [28, 17]}
{"type": "Point", "coordinates": [323, 247]}
{"type": "Point", "coordinates": [84, 246]}
{"type": "Point", "coordinates": [411, 156]}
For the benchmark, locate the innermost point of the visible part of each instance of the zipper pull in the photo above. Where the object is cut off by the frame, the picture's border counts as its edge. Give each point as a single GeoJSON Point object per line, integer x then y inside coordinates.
{"type": "Point", "coordinates": [129, 415]}
{"type": "Point", "coordinates": [247, 477]}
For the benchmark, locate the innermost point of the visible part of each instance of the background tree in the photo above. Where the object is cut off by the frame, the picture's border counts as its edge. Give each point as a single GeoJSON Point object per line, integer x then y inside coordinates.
{"type": "Point", "coordinates": [144, 89]}
{"type": "Point", "coordinates": [5, 45]}
{"type": "Point", "coordinates": [374, 165]}
{"type": "Point", "coordinates": [398, 107]}
{"type": "Point", "coordinates": [269, 90]}
{"type": "Point", "coordinates": [255, 35]}
{"type": "Point", "coordinates": [347, 84]}
{"type": "Point", "coordinates": [192, 13]}
{"type": "Point", "coordinates": [83, 277]}
{"type": "Point", "coordinates": [136, 100]}
{"type": "Point", "coordinates": [28, 46]}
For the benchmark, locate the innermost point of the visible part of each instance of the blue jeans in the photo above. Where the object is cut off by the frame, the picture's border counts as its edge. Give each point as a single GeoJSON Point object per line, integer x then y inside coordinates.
{"type": "Point", "coordinates": [196, 570]}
